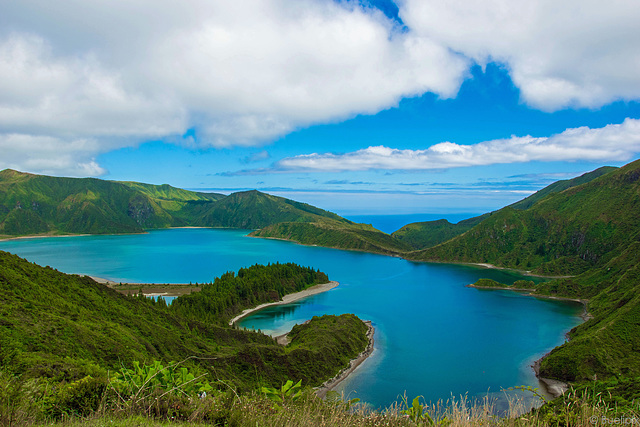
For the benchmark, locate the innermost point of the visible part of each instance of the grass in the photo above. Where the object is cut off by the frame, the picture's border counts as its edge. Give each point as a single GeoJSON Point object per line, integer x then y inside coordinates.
{"type": "Point", "coordinates": [254, 409]}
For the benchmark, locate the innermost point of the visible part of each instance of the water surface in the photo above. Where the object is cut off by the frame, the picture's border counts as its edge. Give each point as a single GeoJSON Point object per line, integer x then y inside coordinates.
{"type": "Point", "coordinates": [434, 336]}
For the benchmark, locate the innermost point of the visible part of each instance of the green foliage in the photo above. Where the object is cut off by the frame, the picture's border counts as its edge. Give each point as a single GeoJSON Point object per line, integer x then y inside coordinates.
{"type": "Point", "coordinates": [335, 234]}
{"type": "Point", "coordinates": [421, 235]}
{"type": "Point", "coordinates": [615, 399]}
{"type": "Point", "coordinates": [488, 283]}
{"type": "Point", "coordinates": [65, 327]}
{"type": "Point", "coordinates": [38, 204]}
{"type": "Point", "coordinates": [78, 398]}
{"type": "Point", "coordinates": [336, 398]}
{"type": "Point", "coordinates": [566, 232]}
{"type": "Point", "coordinates": [231, 293]}
{"type": "Point", "coordinates": [143, 381]}
{"type": "Point", "coordinates": [417, 411]}
{"type": "Point", "coordinates": [288, 392]}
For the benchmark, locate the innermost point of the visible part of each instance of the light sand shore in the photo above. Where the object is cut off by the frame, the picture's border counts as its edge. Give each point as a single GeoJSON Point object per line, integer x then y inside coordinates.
{"type": "Point", "coordinates": [554, 387]}
{"type": "Point", "coordinates": [287, 299]}
{"type": "Point", "coordinates": [42, 236]}
{"type": "Point", "coordinates": [353, 364]}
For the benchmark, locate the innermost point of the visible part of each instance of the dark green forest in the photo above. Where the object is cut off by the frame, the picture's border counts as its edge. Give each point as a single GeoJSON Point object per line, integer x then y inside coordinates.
{"type": "Point", "coordinates": [65, 327]}
{"type": "Point", "coordinates": [229, 294]}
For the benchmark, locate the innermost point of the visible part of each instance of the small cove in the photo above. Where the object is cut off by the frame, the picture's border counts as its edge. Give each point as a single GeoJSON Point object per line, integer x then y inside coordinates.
{"type": "Point", "coordinates": [434, 337]}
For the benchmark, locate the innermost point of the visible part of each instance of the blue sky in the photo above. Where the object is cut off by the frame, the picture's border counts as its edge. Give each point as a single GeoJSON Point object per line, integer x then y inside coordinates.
{"type": "Point", "coordinates": [414, 107]}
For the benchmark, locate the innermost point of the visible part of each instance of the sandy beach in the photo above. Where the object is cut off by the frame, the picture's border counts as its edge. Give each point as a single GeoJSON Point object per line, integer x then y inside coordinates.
{"type": "Point", "coordinates": [287, 299]}
{"type": "Point", "coordinates": [353, 364]}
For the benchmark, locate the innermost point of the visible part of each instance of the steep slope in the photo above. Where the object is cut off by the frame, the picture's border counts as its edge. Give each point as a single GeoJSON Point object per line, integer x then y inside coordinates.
{"type": "Point", "coordinates": [185, 207]}
{"type": "Point", "coordinates": [335, 234]}
{"type": "Point", "coordinates": [254, 209]}
{"type": "Point", "coordinates": [67, 326]}
{"type": "Point", "coordinates": [561, 185]}
{"type": "Point", "coordinates": [564, 233]}
{"type": "Point", "coordinates": [606, 345]}
{"type": "Point", "coordinates": [422, 235]}
{"type": "Point", "coordinates": [36, 204]}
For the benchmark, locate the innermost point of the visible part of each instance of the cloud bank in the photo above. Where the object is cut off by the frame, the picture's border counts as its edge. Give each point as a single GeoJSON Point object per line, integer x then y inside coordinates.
{"type": "Point", "coordinates": [613, 142]}
{"type": "Point", "coordinates": [98, 75]}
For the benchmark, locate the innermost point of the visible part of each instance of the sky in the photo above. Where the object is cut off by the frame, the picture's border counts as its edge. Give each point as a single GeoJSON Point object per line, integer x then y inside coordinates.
{"type": "Point", "coordinates": [358, 107]}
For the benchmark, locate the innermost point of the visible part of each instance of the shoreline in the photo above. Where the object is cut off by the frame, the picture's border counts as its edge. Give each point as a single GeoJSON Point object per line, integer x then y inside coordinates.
{"type": "Point", "coordinates": [45, 236]}
{"type": "Point", "coordinates": [287, 299]}
{"type": "Point", "coordinates": [555, 388]}
{"type": "Point", "coordinates": [332, 383]}
{"type": "Point", "coordinates": [585, 315]}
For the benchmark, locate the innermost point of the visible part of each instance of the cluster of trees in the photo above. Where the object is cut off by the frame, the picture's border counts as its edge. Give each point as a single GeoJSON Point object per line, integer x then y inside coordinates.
{"type": "Point", "coordinates": [231, 293]}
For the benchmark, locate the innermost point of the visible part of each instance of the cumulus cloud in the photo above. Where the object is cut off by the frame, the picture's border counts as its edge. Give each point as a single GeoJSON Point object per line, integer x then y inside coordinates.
{"type": "Point", "coordinates": [612, 142]}
{"type": "Point", "coordinates": [54, 156]}
{"type": "Point", "coordinates": [246, 72]}
{"type": "Point", "coordinates": [242, 73]}
{"type": "Point", "coordinates": [570, 53]}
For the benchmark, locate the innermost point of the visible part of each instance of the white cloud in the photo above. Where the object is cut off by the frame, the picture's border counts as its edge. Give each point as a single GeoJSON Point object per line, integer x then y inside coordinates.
{"type": "Point", "coordinates": [242, 73]}
{"type": "Point", "coordinates": [49, 155]}
{"type": "Point", "coordinates": [246, 72]}
{"type": "Point", "coordinates": [613, 142]}
{"type": "Point", "coordinates": [569, 53]}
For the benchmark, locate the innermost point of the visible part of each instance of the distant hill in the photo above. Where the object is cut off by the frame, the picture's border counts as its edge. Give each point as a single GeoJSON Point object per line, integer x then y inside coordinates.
{"type": "Point", "coordinates": [565, 232]}
{"type": "Point", "coordinates": [335, 234]}
{"type": "Point", "coordinates": [36, 204]}
{"type": "Point", "coordinates": [422, 235]}
{"type": "Point", "coordinates": [254, 209]}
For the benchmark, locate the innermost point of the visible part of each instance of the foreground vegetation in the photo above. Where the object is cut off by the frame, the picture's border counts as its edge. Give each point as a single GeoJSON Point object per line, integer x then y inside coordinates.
{"type": "Point", "coordinates": [66, 328]}
{"type": "Point", "coordinates": [162, 402]}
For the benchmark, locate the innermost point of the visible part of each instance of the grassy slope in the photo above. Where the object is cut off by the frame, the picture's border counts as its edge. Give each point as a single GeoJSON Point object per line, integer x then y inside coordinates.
{"type": "Point", "coordinates": [422, 235]}
{"type": "Point", "coordinates": [608, 345]}
{"type": "Point", "coordinates": [564, 233]}
{"type": "Point", "coordinates": [591, 230]}
{"type": "Point", "coordinates": [335, 234]}
{"type": "Point", "coordinates": [66, 326]}
{"type": "Point", "coordinates": [254, 209]}
{"type": "Point", "coordinates": [36, 204]}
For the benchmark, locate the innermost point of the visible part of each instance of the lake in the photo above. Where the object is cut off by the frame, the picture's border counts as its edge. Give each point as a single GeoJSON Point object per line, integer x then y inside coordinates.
{"type": "Point", "coordinates": [434, 336]}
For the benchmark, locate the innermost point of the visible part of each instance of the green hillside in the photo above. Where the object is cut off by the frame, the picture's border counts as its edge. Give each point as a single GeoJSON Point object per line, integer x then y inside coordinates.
{"type": "Point", "coordinates": [36, 204]}
{"type": "Point", "coordinates": [254, 209]}
{"type": "Point", "coordinates": [335, 234]}
{"type": "Point", "coordinates": [561, 185]}
{"type": "Point", "coordinates": [64, 327]}
{"type": "Point", "coordinates": [564, 233]}
{"type": "Point", "coordinates": [422, 235]}
{"type": "Point", "coordinates": [607, 345]}
{"type": "Point", "coordinates": [590, 231]}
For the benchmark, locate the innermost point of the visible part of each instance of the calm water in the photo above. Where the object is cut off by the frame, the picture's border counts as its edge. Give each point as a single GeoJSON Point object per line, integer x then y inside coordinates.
{"type": "Point", "coordinates": [391, 223]}
{"type": "Point", "coordinates": [434, 337]}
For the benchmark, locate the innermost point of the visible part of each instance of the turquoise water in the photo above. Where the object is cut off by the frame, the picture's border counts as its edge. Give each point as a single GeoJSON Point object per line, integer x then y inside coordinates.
{"type": "Point", "coordinates": [391, 223]}
{"type": "Point", "coordinates": [434, 337]}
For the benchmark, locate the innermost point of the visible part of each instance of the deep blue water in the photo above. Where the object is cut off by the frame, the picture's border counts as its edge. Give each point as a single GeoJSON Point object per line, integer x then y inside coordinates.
{"type": "Point", "coordinates": [434, 337]}
{"type": "Point", "coordinates": [391, 223]}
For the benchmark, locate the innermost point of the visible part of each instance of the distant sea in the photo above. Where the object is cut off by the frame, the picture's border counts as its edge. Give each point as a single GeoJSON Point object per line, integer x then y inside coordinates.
{"type": "Point", "coordinates": [434, 336]}
{"type": "Point", "coordinates": [391, 223]}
